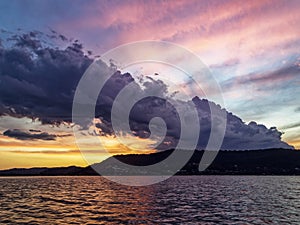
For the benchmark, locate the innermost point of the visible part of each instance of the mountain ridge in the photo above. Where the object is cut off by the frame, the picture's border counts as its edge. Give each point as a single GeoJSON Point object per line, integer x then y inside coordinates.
{"type": "Point", "coordinates": [227, 162]}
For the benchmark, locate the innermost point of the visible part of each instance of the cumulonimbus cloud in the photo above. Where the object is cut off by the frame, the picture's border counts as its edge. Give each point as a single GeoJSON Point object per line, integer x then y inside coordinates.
{"type": "Point", "coordinates": [39, 81]}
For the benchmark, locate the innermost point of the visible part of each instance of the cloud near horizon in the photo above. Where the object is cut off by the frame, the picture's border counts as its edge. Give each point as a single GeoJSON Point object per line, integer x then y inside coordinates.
{"type": "Point", "coordinates": [24, 135]}
{"type": "Point", "coordinates": [38, 81]}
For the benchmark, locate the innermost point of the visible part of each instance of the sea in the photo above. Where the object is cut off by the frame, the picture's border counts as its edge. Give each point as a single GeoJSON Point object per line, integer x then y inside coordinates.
{"type": "Point", "coordinates": [178, 200]}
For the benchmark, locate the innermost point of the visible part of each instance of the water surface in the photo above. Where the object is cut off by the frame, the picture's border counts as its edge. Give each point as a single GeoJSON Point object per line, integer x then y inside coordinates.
{"type": "Point", "coordinates": [179, 200]}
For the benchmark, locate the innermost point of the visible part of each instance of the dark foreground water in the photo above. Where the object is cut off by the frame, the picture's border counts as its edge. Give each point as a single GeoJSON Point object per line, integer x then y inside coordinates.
{"type": "Point", "coordinates": [179, 200]}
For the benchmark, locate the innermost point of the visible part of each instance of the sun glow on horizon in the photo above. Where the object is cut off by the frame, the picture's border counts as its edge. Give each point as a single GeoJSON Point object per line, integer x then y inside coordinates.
{"type": "Point", "coordinates": [63, 151]}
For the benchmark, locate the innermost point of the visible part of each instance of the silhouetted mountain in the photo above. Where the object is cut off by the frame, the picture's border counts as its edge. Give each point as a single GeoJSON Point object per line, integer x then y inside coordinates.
{"type": "Point", "coordinates": [42, 171]}
{"type": "Point", "coordinates": [258, 162]}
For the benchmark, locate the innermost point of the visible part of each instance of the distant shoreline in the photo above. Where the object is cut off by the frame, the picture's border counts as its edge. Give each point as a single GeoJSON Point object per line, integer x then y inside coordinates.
{"type": "Point", "coordinates": [176, 175]}
{"type": "Point", "coordinates": [271, 162]}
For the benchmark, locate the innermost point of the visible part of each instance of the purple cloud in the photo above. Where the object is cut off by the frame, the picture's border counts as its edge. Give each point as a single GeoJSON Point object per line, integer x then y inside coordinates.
{"type": "Point", "coordinates": [39, 81]}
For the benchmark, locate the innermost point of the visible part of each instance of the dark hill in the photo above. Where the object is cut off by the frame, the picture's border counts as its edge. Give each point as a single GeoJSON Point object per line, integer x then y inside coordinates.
{"type": "Point", "coordinates": [258, 162]}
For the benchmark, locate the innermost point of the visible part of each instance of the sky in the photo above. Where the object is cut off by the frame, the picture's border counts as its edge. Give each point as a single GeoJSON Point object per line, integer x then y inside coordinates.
{"type": "Point", "coordinates": [252, 50]}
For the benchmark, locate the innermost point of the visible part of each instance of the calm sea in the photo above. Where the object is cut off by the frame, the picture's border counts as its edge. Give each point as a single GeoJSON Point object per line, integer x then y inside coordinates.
{"type": "Point", "coordinates": [179, 200]}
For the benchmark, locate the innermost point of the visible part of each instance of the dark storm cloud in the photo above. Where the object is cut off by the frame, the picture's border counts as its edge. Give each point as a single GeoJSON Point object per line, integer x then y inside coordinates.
{"type": "Point", "coordinates": [27, 40]}
{"type": "Point", "coordinates": [39, 81]}
{"type": "Point", "coordinates": [22, 135]}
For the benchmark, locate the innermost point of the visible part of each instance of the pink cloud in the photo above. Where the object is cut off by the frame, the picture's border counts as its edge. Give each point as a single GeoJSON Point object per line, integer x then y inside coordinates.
{"type": "Point", "coordinates": [215, 30]}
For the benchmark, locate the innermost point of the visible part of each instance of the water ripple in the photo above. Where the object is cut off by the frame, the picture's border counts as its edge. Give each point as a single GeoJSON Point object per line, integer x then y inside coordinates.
{"type": "Point", "coordinates": [179, 200]}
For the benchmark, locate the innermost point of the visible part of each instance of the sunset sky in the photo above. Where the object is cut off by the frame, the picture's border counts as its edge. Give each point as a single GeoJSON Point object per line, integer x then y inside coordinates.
{"type": "Point", "coordinates": [252, 49]}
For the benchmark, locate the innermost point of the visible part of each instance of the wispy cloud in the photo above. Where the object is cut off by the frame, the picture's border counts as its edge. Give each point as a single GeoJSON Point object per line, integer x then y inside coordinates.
{"type": "Point", "coordinates": [268, 78]}
{"type": "Point", "coordinates": [290, 126]}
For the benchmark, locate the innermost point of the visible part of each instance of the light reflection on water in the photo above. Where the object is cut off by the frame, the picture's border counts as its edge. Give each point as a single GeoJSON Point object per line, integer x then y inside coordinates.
{"type": "Point", "coordinates": [179, 200]}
